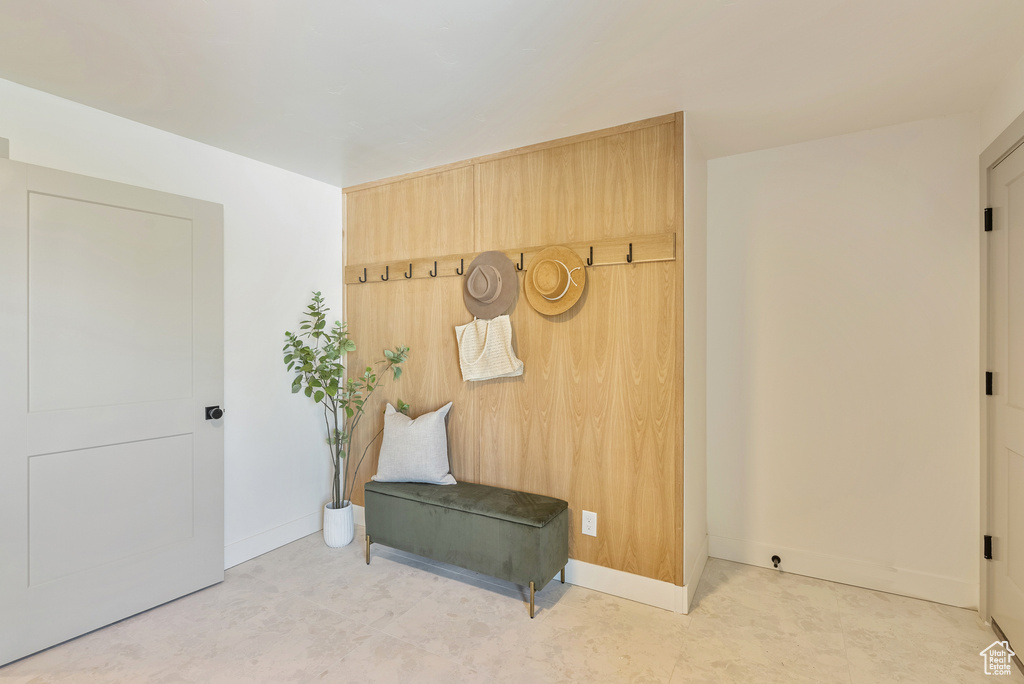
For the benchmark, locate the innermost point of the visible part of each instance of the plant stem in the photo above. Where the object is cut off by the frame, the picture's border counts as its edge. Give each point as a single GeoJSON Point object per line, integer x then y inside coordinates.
{"type": "Point", "coordinates": [369, 389]}
{"type": "Point", "coordinates": [355, 473]}
{"type": "Point", "coordinates": [330, 447]}
{"type": "Point", "coordinates": [353, 424]}
{"type": "Point", "coordinates": [339, 493]}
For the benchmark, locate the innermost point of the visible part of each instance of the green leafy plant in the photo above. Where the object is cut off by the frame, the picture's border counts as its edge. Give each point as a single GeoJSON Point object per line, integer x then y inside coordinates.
{"type": "Point", "coordinates": [316, 355]}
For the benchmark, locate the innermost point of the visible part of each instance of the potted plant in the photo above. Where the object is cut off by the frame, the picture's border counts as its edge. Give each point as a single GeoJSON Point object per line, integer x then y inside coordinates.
{"type": "Point", "coordinates": [315, 354]}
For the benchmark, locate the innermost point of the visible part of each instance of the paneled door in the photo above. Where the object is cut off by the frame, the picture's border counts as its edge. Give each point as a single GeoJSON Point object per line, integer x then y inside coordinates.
{"type": "Point", "coordinates": [1006, 405]}
{"type": "Point", "coordinates": [111, 346]}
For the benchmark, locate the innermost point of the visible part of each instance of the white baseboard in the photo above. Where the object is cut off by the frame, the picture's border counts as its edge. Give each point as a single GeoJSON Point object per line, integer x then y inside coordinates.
{"type": "Point", "coordinates": [695, 573]}
{"type": "Point", "coordinates": [626, 585]}
{"type": "Point", "coordinates": [261, 543]}
{"type": "Point", "coordinates": [276, 537]}
{"type": "Point", "coordinates": [936, 588]}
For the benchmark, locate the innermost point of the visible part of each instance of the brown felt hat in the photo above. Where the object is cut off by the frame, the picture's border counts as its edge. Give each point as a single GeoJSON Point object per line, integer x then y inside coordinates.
{"type": "Point", "coordinates": [555, 280]}
{"type": "Point", "coordinates": [490, 285]}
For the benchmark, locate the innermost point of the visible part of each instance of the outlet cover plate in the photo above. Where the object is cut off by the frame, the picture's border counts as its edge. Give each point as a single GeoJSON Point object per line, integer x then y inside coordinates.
{"type": "Point", "coordinates": [590, 523]}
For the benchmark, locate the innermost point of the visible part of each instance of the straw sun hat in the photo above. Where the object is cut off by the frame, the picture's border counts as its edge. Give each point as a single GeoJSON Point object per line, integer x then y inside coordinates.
{"type": "Point", "coordinates": [491, 285]}
{"type": "Point", "coordinates": [555, 280]}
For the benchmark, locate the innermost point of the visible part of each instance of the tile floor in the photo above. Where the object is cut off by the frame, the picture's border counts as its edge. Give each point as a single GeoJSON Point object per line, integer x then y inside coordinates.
{"type": "Point", "coordinates": [306, 613]}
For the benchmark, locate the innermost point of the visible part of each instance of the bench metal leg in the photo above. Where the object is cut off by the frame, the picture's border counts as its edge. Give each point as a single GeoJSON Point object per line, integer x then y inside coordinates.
{"type": "Point", "coordinates": [563, 575]}
{"type": "Point", "coordinates": [531, 600]}
{"type": "Point", "coordinates": [367, 549]}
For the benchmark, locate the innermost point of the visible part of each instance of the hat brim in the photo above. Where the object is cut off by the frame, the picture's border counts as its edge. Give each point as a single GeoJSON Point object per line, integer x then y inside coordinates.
{"type": "Point", "coordinates": [569, 299]}
{"type": "Point", "coordinates": [509, 286]}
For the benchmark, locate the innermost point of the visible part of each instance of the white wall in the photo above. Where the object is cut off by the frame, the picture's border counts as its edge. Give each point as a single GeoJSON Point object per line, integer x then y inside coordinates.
{"type": "Point", "coordinates": [1005, 105]}
{"type": "Point", "coordinates": [282, 238]}
{"type": "Point", "coordinates": [695, 507]}
{"type": "Point", "coordinates": [843, 309]}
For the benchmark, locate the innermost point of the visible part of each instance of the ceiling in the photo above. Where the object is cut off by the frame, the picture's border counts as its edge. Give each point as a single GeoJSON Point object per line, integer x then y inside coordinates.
{"type": "Point", "coordinates": [348, 91]}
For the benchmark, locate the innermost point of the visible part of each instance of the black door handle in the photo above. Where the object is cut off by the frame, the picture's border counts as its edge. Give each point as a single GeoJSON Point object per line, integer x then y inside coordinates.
{"type": "Point", "coordinates": [214, 413]}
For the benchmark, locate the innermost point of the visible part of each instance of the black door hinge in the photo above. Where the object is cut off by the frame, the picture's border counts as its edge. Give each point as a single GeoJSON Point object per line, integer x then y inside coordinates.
{"type": "Point", "coordinates": [988, 383]}
{"type": "Point", "coordinates": [988, 547]}
{"type": "Point", "coordinates": [988, 219]}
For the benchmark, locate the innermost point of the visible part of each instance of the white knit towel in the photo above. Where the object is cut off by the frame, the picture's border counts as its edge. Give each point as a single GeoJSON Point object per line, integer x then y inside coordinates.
{"type": "Point", "coordinates": [485, 349]}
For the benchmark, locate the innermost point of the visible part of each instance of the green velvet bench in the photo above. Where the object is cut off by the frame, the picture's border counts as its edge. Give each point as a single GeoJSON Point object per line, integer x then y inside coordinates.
{"type": "Point", "coordinates": [514, 536]}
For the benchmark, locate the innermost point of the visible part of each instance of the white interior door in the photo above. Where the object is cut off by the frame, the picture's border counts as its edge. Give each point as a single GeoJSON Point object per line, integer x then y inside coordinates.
{"type": "Point", "coordinates": [111, 345]}
{"type": "Point", "coordinates": [1006, 405]}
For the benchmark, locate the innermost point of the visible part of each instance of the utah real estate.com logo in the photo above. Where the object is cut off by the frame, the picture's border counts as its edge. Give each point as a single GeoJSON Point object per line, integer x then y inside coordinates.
{"type": "Point", "coordinates": [997, 658]}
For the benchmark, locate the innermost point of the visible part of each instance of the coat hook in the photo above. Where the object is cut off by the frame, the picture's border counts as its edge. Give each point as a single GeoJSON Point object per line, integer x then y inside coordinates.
{"type": "Point", "coordinates": [462, 267]}
{"type": "Point", "coordinates": [433, 274]}
{"type": "Point", "coordinates": [519, 266]}
{"type": "Point", "coordinates": [387, 273]}
{"type": "Point", "coordinates": [590, 259]}
{"type": "Point", "coordinates": [409, 274]}
{"type": "Point", "coordinates": [363, 279]}
{"type": "Point", "coordinates": [629, 257]}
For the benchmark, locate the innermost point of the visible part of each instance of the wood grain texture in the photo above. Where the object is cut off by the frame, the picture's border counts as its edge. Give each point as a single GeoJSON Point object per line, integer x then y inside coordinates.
{"type": "Point", "coordinates": [559, 142]}
{"type": "Point", "coordinates": [602, 188]}
{"type": "Point", "coordinates": [419, 216]}
{"type": "Point", "coordinates": [592, 418]}
{"type": "Point", "coordinates": [596, 417]}
{"type": "Point", "coordinates": [423, 216]}
{"type": "Point", "coordinates": [644, 248]}
{"type": "Point", "coordinates": [680, 426]}
{"type": "Point", "coordinates": [422, 315]}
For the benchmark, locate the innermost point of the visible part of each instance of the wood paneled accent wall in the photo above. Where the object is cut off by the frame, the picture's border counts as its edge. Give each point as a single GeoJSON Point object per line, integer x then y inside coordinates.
{"type": "Point", "coordinates": [596, 418]}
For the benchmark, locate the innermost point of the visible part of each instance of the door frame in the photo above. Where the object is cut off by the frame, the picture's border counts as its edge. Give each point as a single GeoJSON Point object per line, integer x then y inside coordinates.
{"type": "Point", "coordinates": [1005, 144]}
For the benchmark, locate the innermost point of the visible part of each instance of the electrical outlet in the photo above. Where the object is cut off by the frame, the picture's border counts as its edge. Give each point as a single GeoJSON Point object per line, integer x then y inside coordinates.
{"type": "Point", "coordinates": [590, 523]}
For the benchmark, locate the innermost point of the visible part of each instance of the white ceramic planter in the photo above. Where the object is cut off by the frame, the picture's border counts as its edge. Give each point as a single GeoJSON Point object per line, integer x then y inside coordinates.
{"type": "Point", "coordinates": [339, 528]}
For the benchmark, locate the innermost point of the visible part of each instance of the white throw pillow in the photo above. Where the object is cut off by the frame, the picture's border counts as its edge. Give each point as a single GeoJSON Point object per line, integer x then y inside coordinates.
{"type": "Point", "coordinates": [414, 449]}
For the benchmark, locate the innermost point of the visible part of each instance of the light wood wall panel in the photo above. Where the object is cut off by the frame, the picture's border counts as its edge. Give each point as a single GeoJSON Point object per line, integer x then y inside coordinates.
{"type": "Point", "coordinates": [594, 418]}
{"type": "Point", "coordinates": [418, 314]}
{"type": "Point", "coordinates": [608, 187]}
{"type": "Point", "coordinates": [591, 420]}
{"type": "Point", "coordinates": [428, 215]}
{"type": "Point", "coordinates": [679, 227]}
